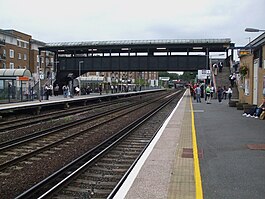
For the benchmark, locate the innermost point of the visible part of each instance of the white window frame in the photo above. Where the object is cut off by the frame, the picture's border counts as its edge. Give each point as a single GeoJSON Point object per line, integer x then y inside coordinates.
{"type": "Point", "coordinates": [12, 65]}
{"type": "Point", "coordinates": [25, 56]}
{"type": "Point", "coordinates": [19, 55]}
{"type": "Point", "coordinates": [11, 53]}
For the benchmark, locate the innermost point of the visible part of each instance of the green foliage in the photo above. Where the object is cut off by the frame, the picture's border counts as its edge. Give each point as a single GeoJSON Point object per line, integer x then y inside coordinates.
{"type": "Point", "coordinates": [140, 82]}
{"type": "Point", "coordinates": [243, 70]}
{"type": "Point", "coordinates": [188, 76]}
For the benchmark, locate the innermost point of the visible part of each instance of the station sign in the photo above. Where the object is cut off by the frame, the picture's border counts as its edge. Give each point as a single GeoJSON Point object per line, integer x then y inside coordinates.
{"type": "Point", "coordinates": [204, 74]}
{"type": "Point", "coordinates": [244, 52]}
{"type": "Point", "coordinates": [164, 78]}
{"type": "Point", "coordinates": [22, 78]}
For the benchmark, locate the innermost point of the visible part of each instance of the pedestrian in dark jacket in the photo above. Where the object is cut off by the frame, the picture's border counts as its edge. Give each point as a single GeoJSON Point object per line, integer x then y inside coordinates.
{"type": "Point", "coordinates": [220, 94]}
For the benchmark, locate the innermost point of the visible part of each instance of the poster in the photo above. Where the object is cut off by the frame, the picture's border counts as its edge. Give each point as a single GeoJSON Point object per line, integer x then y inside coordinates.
{"type": "Point", "coordinates": [246, 86]}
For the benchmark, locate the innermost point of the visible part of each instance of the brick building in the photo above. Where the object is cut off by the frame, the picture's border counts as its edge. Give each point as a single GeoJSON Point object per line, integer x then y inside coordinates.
{"type": "Point", "coordinates": [19, 51]}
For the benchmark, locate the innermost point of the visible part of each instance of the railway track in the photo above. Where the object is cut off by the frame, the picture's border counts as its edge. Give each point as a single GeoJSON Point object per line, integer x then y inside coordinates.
{"type": "Point", "coordinates": [56, 136]}
{"type": "Point", "coordinates": [100, 172]}
{"type": "Point", "coordinates": [38, 126]}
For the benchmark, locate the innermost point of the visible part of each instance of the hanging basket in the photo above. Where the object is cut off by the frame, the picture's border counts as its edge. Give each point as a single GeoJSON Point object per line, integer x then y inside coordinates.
{"type": "Point", "coordinates": [243, 70]}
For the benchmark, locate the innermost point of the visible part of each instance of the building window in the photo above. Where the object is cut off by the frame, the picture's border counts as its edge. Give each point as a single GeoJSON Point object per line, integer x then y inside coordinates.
{"type": "Point", "coordinates": [19, 55]}
{"type": "Point", "coordinates": [11, 53]}
{"type": "Point", "coordinates": [4, 65]}
{"type": "Point", "coordinates": [4, 53]}
{"type": "Point", "coordinates": [47, 61]}
{"type": "Point", "coordinates": [25, 56]}
{"type": "Point", "coordinates": [12, 65]}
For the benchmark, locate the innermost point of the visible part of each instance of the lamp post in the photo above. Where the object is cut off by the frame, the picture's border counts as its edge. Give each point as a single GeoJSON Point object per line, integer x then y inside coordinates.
{"type": "Point", "coordinates": [254, 30]}
{"type": "Point", "coordinates": [79, 74]}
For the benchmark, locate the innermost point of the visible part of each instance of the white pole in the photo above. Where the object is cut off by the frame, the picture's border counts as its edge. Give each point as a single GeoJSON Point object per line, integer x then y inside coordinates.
{"type": "Point", "coordinates": [38, 71]}
{"type": "Point", "coordinates": [79, 78]}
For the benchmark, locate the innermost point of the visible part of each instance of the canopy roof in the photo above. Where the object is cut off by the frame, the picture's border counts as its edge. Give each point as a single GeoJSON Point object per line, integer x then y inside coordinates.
{"type": "Point", "coordinates": [171, 45]}
{"type": "Point", "coordinates": [15, 73]}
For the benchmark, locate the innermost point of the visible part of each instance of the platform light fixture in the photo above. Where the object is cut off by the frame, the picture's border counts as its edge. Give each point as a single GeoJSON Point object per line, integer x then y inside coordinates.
{"type": "Point", "coordinates": [161, 48]}
{"type": "Point", "coordinates": [197, 48]}
{"type": "Point", "coordinates": [126, 49]}
{"type": "Point", "coordinates": [254, 30]}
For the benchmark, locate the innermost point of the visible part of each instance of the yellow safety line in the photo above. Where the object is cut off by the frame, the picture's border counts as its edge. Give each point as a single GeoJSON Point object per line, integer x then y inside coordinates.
{"type": "Point", "coordinates": [197, 173]}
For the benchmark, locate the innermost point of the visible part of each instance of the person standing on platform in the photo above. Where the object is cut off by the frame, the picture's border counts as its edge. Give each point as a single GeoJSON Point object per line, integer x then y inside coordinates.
{"type": "Point", "coordinates": [194, 91]}
{"type": "Point", "coordinates": [56, 90]}
{"type": "Point", "coordinates": [198, 93]}
{"type": "Point", "coordinates": [47, 91]}
{"type": "Point", "coordinates": [88, 90]}
{"type": "Point", "coordinates": [50, 90]}
{"type": "Point", "coordinates": [65, 91]}
{"type": "Point", "coordinates": [100, 89]}
{"type": "Point", "coordinates": [208, 94]}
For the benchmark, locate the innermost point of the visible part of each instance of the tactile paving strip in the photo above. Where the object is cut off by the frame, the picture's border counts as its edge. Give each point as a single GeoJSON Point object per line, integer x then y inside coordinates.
{"type": "Point", "coordinates": [256, 146]}
{"type": "Point", "coordinates": [188, 153]}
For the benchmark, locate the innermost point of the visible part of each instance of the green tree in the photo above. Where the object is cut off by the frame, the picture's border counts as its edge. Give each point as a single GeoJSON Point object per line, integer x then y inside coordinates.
{"type": "Point", "coordinates": [188, 76]}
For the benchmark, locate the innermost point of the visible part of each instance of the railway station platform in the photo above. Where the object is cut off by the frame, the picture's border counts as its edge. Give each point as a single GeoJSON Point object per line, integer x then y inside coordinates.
{"type": "Point", "coordinates": [230, 150]}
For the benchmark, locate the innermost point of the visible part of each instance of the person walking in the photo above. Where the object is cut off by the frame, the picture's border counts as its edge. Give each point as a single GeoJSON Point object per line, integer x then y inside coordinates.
{"type": "Point", "coordinates": [212, 91]}
{"type": "Point", "coordinates": [229, 92]}
{"type": "Point", "coordinates": [232, 78]}
{"type": "Point", "coordinates": [224, 93]}
{"type": "Point", "coordinates": [220, 66]}
{"type": "Point", "coordinates": [215, 68]}
{"type": "Point", "coordinates": [220, 94]}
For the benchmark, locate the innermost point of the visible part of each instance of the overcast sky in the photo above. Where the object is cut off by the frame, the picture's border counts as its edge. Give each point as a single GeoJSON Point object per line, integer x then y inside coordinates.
{"type": "Point", "coordinates": [87, 20]}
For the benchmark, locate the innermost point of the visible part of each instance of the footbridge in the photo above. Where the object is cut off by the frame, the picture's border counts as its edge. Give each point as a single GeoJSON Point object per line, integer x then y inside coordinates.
{"type": "Point", "coordinates": [134, 55]}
